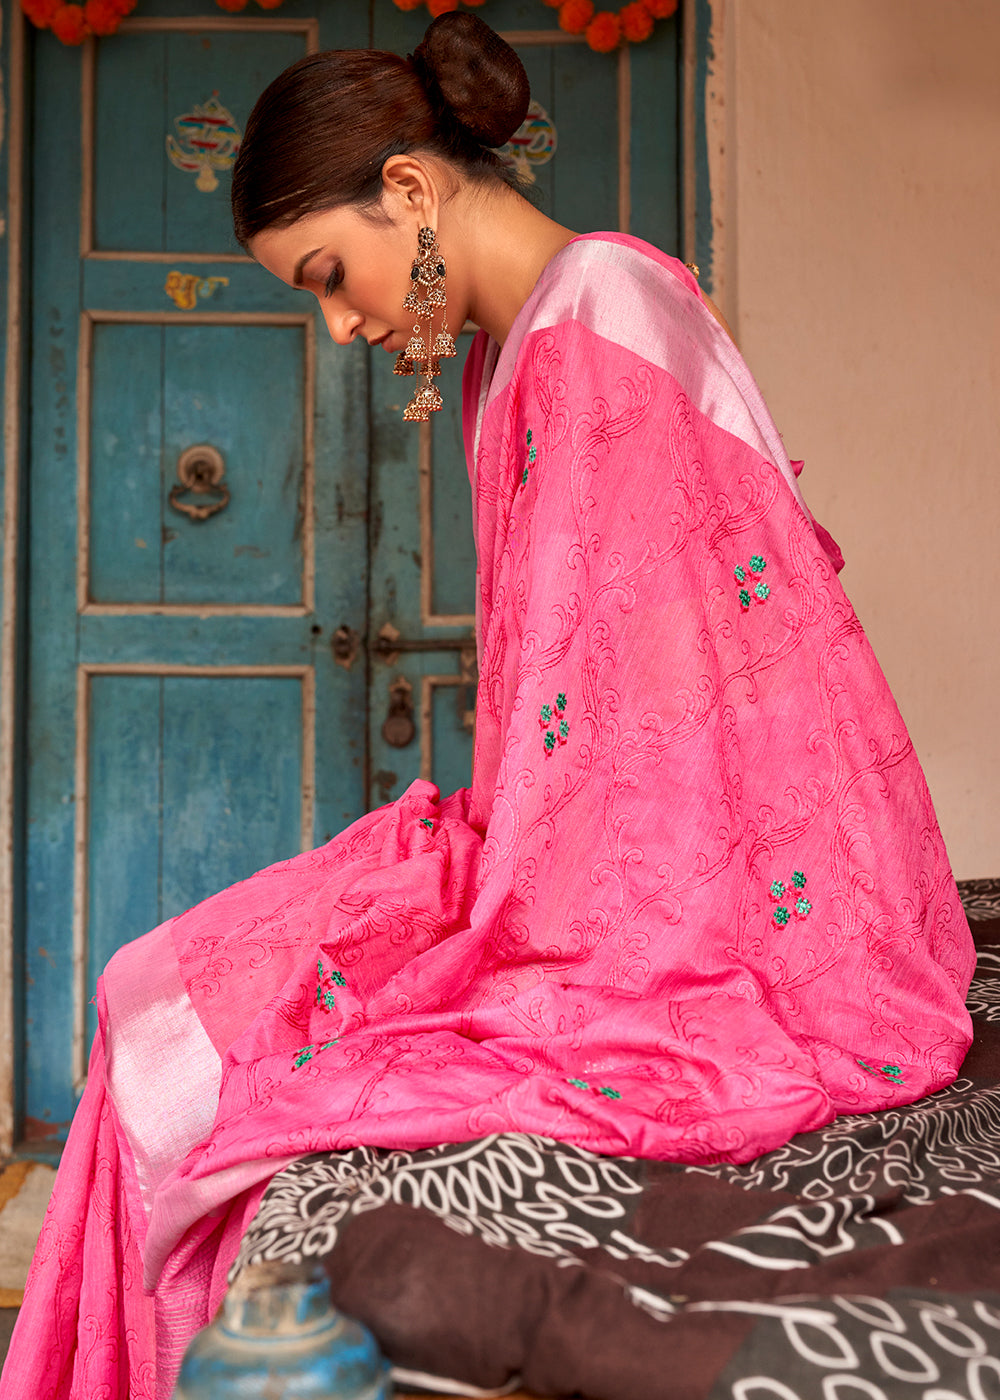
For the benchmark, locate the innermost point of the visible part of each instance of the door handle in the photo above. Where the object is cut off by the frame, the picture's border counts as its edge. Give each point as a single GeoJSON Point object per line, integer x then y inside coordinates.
{"type": "Point", "coordinates": [398, 729]}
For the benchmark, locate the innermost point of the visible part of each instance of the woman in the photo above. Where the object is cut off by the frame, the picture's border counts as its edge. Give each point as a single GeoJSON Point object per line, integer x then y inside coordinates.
{"type": "Point", "coordinates": [696, 899]}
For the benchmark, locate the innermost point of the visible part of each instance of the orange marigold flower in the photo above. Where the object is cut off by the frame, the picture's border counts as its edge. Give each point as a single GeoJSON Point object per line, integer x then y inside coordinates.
{"type": "Point", "coordinates": [441, 7]}
{"type": "Point", "coordinates": [102, 16]}
{"type": "Point", "coordinates": [661, 9]}
{"type": "Point", "coordinates": [69, 25]}
{"type": "Point", "coordinates": [637, 22]}
{"type": "Point", "coordinates": [552, 4]}
{"type": "Point", "coordinates": [40, 12]}
{"type": "Point", "coordinates": [124, 7]}
{"type": "Point", "coordinates": [575, 15]}
{"type": "Point", "coordinates": [604, 32]}
{"type": "Point", "coordinates": [408, 4]}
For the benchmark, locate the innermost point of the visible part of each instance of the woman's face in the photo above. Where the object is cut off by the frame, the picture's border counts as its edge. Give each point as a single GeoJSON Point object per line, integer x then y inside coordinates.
{"type": "Point", "coordinates": [358, 270]}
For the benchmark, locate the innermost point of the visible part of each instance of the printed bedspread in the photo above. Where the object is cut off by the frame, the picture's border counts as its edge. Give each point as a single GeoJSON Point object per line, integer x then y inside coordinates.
{"type": "Point", "coordinates": [861, 1260]}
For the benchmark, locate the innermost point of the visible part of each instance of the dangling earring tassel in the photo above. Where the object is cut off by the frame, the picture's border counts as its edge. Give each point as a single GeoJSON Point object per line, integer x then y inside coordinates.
{"type": "Point", "coordinates": [425, 350]}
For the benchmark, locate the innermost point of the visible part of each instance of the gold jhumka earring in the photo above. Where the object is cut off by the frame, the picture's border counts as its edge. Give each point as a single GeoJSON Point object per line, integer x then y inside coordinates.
{"type": "Point", "coordinates": [425, 351]}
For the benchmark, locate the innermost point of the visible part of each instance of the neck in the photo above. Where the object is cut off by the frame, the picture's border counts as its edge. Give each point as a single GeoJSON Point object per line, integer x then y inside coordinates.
{"type": "Point", "coordinates": [499, 245]}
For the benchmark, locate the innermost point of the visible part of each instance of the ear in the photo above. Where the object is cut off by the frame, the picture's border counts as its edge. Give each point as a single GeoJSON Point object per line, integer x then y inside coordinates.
{"type": "Point", "coordinates": [410, 190]}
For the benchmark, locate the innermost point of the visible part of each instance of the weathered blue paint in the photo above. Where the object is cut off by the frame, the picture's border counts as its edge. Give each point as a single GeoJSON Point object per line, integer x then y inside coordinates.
{"type": "Point", "coordinates": [195, 781]}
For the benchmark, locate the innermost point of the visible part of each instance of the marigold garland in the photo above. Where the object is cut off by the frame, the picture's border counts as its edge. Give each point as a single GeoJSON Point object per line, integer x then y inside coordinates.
{"type": "Point", "coordinates": [605, 30]}
{"type": "Point", "coordinates": [72, 23]}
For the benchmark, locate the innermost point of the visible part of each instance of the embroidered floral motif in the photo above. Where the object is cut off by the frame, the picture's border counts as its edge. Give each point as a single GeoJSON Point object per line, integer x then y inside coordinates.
{"type": "Point", "coordinates": [781, 913]}
{"type": "Point", "coordinates": [308, 1051]}
{"type": "Point", "coordinates": [892, 1072]}
{"type": "Point", "coordinates": [754, 569]}
{"type": "Point", "coordinates": [605, 1089]}
{"type": "Point", "coordinates": [532, 458]}
{"type": "Point", "coordinates": [324, 996]}
{"type": "Point", "coordinates": [426, 821]}
{"type": "Point", "coordinates": [559, 732]}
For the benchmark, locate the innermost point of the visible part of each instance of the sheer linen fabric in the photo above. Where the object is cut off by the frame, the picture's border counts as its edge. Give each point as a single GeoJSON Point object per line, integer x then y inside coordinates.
{"type": "Point", "coordinates": [695, 901]}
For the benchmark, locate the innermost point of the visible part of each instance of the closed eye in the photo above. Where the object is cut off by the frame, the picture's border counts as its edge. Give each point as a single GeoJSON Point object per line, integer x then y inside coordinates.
{"type": "Point", "coordinates": [334, 280]}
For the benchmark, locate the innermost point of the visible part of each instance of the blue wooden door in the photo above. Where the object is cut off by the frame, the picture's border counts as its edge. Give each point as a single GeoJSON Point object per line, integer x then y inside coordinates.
{"type": "Point", "coordinates": [242, 562]}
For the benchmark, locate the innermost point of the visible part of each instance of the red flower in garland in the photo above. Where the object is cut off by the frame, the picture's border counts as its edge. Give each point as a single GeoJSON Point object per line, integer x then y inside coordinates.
{"type": "Point", "coordinates": [41, 12]}
{"type": "Point", "coordinates": [69, 25]}
{"type": "Point", "coordinates": [102, 16]}
{"type": "Point", "coordinates": [575, 15]}
{"type": "Point", "coordinates": [661, 9]}
{"type": "Point", "coordinates": [637, 22]}
{"type": "Point", "coordinates": [604, 32]}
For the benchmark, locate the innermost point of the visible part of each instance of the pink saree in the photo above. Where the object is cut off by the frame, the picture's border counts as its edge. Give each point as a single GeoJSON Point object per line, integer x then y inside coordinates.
{"type": "Point", "coordinates": [695, 901]}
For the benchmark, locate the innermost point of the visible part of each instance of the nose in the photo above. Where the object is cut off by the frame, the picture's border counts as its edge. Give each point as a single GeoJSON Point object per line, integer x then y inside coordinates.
{"type": "Point", "coordinates": [342, 325]}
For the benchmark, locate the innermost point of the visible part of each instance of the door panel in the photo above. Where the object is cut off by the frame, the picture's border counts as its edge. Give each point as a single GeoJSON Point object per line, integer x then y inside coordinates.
{"type": "Point", "coordinates": [158, 390]}
{"type": "Point", "coordinates": [143, 84]}
{"type": "Point", "coordinates": [208, 696]}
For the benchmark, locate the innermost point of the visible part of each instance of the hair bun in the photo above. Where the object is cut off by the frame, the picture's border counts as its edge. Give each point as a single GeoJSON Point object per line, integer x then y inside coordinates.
{"type": "Point", "coordinates": [480, 78]}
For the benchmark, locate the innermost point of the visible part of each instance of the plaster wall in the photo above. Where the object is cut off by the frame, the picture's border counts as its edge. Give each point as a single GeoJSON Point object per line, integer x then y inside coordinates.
{"type": "Point", "coordinates": [860, 180]}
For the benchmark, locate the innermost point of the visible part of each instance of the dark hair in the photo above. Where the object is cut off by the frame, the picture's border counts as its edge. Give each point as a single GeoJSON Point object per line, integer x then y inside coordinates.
{"type": "Point", "coordinates": [320, 134]}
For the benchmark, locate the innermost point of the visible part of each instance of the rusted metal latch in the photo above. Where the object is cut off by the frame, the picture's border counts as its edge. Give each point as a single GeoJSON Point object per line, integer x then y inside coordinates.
{"type": "Point", "coordinates": [201, 470]}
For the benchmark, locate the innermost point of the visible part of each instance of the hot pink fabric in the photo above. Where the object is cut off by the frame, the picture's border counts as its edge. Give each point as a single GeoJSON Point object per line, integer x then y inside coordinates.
{"type": "Point", "coordinates": [695, 901]}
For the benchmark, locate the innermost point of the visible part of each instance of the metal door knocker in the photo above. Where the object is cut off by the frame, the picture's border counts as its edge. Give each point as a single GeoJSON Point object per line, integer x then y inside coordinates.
{"type": "Point", "coordinates": [399, 729]}
{"type": "Point", "coordinates": [201, 470]}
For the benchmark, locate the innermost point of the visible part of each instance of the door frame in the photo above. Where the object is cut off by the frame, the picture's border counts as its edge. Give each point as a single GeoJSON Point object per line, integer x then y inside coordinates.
{"type": "Point", "coordinates": [708, 240]}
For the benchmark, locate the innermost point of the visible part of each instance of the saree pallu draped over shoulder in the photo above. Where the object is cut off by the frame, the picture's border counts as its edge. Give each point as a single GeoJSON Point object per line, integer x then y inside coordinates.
{"type": "Point", "coordinates": [696, 900]}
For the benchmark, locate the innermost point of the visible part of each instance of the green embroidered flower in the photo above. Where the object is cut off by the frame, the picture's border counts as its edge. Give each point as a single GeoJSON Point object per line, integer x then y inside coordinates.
{"type": "Point", "coordinates": [532, 454]}
{"type": "Point", "coordinates": [329, 1000]}
{"type": "Point", "coordinates": [744, 598]}
{"type": "Point", "coordinates": [609, 1093]}
{"type": "Point", "coordinates": [561, 701]}
{"type": "Point", "coordinates": [798, 879]}
{"type": "Point", "coordinates": [578, 1083]}
{"type": "Point", "coordinates": [563, 729]}
{"type": "Point", "coordinates": [777, 889]}
{"type": "Point", "coordinates": [529, 437]}
{"type": "Point", "coordinates": [426, 821]}
{"type": "Point", "coordinates": [762, 591]}
{"type": "Point", "coordinates": [893, 1072]}
{"type": "Point", "coordinates": [781, 916]}
{"type": "Point", "coordinates": [740, 574]}
{"type": "Point", "coordinates": [305, 1054]}
{"type": "Point", "coordinates": [802, 906]}
{"type": "Point", "coordinates": [757, 563]}
{"type": "Point", "coordinates": [524, 478]}
{"type": "Point", "coordinates": [550, 741]}
{"type": "Point", "coordinates": [546, 714]}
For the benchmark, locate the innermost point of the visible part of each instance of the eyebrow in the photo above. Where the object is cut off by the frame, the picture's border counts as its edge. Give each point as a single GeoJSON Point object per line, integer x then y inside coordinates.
{"type": "Point", "coordinates": [300, 265]}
